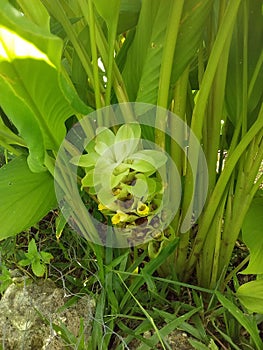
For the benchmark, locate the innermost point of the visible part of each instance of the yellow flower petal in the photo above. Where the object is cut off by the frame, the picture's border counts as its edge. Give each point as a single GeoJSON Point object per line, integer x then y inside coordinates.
{"type": "Point", "coordinates": [119, 217]}
{"type": "Point", "coordinates": [102, 207]}
{"type": "Point", "coordinates": [143, 209]}
{"type": "Point", "coordinates": [115, 219]}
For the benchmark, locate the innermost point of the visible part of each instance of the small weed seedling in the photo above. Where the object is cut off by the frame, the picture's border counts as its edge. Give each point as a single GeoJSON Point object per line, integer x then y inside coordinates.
{"type": "Point", "coordinates": [5, 279]}
{"type": "Point", "coordinates": [37, 260]}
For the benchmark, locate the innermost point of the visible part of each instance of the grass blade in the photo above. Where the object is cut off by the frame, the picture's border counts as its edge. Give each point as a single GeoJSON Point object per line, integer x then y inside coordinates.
{"type": "Point", "coordinates": [248, 323]}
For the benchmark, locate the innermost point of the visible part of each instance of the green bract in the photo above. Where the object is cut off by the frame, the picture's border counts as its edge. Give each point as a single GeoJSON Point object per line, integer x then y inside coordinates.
{"type": "Point", "coordinates": [123, 175]}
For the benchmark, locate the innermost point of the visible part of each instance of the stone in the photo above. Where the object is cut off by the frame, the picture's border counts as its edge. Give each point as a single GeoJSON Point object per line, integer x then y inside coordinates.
{"type": "Point", "coordinates": [25, 309]}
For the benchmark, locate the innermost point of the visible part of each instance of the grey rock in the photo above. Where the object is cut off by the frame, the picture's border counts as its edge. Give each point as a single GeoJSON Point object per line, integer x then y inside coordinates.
{"type": "Point", "coordinates": [24, 308]}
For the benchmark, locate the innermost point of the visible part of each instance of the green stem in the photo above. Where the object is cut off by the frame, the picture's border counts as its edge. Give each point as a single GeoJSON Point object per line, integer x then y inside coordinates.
{"type": "Point", "coordinates": [199, 112]}
{"type": "Point", "coordinates": [244, 193]}
{"type": "Point", "coordinates": [64, 178]}
{"type": "Point", "coordinates": [209, 261]}
{"type": "Point", "coordinates": [12, 139]}
{"type": "Point", "coordinates": [208, 265]}
{"type": "Point", "coordinates": [214, 122]}
{"type": "Point", "coordinates": [57, 10]}
{"type": "Point", "coordinates": [168, 51]}
{"type": "Point", "coordinates": [255, 74]}
{"type": "Point", "coordinates": [88, 11]}
{"type": "Point", "coordinates": [235, 271]}
{"type": "Point", "coordinates": [118, 83]}
{"type": "Point", "coordinates": [166, 68]}
{"type": "Point", "coordinates": [224, 33]}
{"type": "Point", "coordinates": [178, 157]}
{"type": "Point", "coordinates": [219, 190]}
{"type": "Point", "coordinates": [233, 226]}
{"type": "Point", "coordinates": [201, 66]}
{"type": "Point", "coordinates": [245, 70]}
{"type": "Point", "coordinates": [112, 30]}
{"type": "Point", "coordinates": [10, 148]}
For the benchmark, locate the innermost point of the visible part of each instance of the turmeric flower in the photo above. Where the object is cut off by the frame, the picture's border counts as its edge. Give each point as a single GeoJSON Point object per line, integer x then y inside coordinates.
{"type": "Point", "coordinates": [119, 217]}
{"type": "Point", "coordinates": [142, 209]}
{"type": "Point", "coordinates": [102, 207]}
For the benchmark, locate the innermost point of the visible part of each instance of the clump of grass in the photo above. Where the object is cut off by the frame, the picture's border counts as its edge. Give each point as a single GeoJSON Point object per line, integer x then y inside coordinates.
{"type": "Point", "coordinates": [135, 307]}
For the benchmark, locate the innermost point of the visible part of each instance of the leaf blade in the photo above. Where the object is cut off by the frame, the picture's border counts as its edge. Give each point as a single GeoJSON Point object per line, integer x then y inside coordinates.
{"type": "Point", "coordinates": [25, 197]}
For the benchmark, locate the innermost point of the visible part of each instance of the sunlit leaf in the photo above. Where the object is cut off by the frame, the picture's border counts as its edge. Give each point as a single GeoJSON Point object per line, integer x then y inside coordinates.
{"type": "Point", "coordinates": [34, 94]}
{"type": "Point", "coordinates": [38, 268]}
{"type": "Point", "coordinates": [251, 295]}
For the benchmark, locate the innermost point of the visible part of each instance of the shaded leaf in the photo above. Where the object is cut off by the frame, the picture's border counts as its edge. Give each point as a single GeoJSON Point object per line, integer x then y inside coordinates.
{"type": "Point", "coordinates": [36, 11]}
{"type": "Point", "coordinates": [234, 83]}
{"type": "Point", "coordinates": [145, 53]}
{"type": "Point", "coordinates": [25, 197]}
{"type": "Point", "coordinates": [252, 234]}
{"type": "Point", "coordinates": [149, 80]}
{"type": "Point", "coordinates": [107, 9]}
{"type": "Point", "coordinates": [138, 49]}
{"type": "Point", "coordinates": [192, 26]}
{"type": "Point", "coordinates": [129, 14]}
{"type": "Point", "coordinates": [5, 278]}
{"type": "Point", "coordinates": [8, 136]}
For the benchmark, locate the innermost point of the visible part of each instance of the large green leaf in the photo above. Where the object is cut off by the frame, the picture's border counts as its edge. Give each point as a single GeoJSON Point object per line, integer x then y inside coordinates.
{"type": "Point", "coordinates": [149, 81]}
{"type": "Point", "coordinates": [129, 13]}
{"type": "Point", "coordinates": [7, 136]}
{"type": "Point", "coordinates": [145, 53]}
{"type": "Point", "coordinates": [36, 11]}
{"type": "Point", "coordinates": [138, 50]}
{"type": "Point", "coordinates": [23, 117]}
{"type": "Point", "coordinates": [251, 295]}
{"type": "Point", "coordinates": [107, 9]}
{"type": "Point", "coordinates": [252, 233]}
{"type": "Point", "coordinates": [25, 197]}
{"type": "Point", "coordinates": [239, 64]}
{"type": "Point", "coordinates": [31, 84]}
{"type": "Point", "coordinates": [193, 24]}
